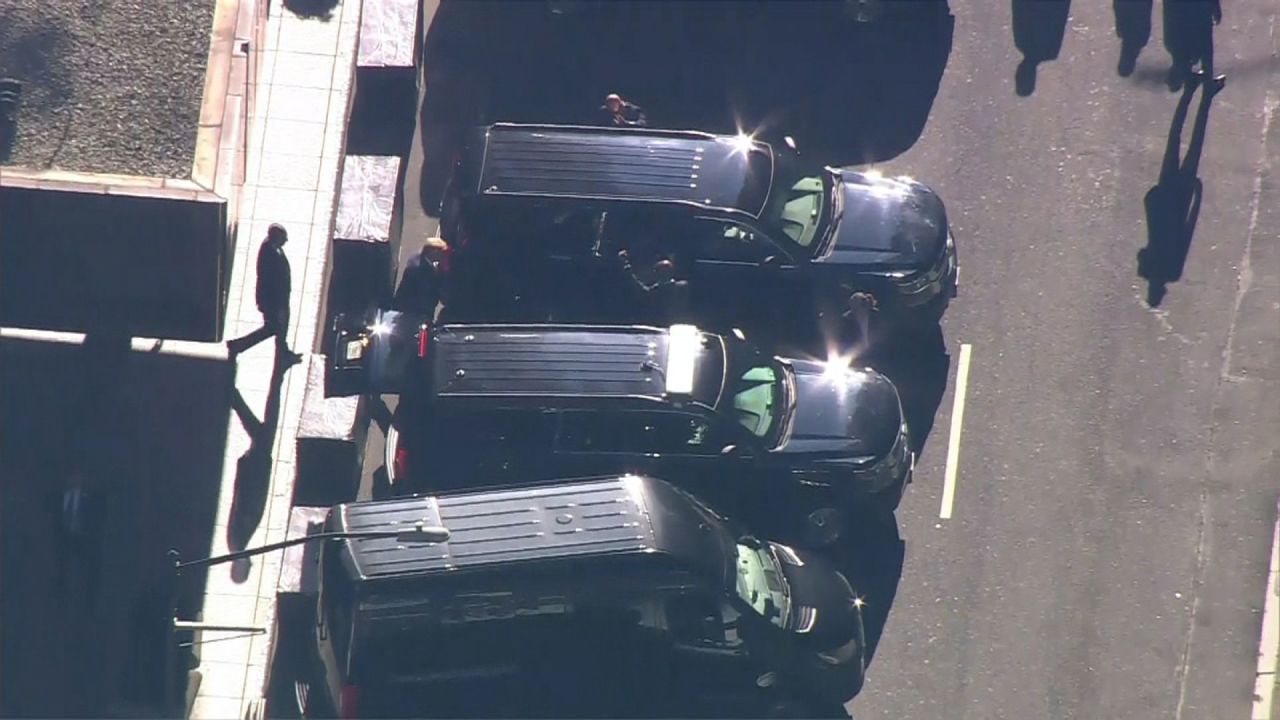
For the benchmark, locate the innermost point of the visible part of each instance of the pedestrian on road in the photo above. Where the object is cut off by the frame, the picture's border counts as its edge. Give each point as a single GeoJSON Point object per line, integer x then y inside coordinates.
{"type": "Point", "coordinates": [422, 285]}
{"type": "Point", "coordinates": [273, 289]}
{"type": "Point", "coordinates": [1188, 36]}
{"type": "Point", "coordinates": [661, 293]}
{"type": "Point", "coordinates": [617, 112]}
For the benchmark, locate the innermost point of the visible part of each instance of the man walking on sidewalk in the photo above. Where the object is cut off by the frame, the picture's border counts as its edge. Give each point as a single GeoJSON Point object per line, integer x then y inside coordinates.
{"type": "Point", "coordinates": [273, 289]}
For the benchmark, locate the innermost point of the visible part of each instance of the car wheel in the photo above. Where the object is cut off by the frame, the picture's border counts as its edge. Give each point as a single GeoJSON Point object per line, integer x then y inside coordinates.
{"type": "Point", "coordinates": [823, 527]}
{"type": "Point", "coordinates": [887, 501]}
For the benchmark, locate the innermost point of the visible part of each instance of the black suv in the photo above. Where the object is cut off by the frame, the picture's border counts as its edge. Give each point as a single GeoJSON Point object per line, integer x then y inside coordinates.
{"type": "Point", "coordinates": [605, 586]}
{"type": "Point", "coordinates": [744, 223]}
{"type": "Point", "coordinates": [796, 441]}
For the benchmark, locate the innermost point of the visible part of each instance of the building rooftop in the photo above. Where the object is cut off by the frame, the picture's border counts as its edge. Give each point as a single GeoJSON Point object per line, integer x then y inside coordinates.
{"type": "Point", "coordinates": [110, 86]}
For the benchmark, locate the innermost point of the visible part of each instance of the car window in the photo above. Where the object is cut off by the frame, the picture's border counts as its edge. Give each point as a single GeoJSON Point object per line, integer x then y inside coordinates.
{"type": "Point", "coordinates": [761, 584]}
{"type": "Point", "coordinates": [637, 432]}
{"type": "Point", "coordinates": [730, 242]}
{"type": "Point", "coordinates": [542, 229]}
{"type": "Point", "coordinates": [801, 210]}
{"type": "Point", "coordinates": [756, 401]}
{"type": "Point", "coordinates": [463, 447]}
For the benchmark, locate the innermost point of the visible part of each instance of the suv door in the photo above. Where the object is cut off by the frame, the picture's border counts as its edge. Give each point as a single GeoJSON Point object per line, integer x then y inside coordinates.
{"type": "Point", "coordinates": [376, 352]}
{"type": "Point", "coordinates": [738, 270]}
{"type": "Point", "coordinates": [681, 446]}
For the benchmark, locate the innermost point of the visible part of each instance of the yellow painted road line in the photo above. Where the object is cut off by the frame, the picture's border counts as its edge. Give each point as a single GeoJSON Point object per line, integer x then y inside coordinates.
{"type": "Point", "coordinates": [957, 421]}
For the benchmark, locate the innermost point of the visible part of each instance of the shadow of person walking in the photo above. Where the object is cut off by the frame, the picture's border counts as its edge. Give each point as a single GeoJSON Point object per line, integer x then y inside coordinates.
{"type": "Point", "coordinates": [253, 469]}
{"type": "Point", "coordinates": [1133, 26]}
{"type": "Point", "coordinates": [1173, 205]}
{"type": "Point", "coordinates": [1188, 36]}
{"type": "Point", "coordinates": [1038, 28]}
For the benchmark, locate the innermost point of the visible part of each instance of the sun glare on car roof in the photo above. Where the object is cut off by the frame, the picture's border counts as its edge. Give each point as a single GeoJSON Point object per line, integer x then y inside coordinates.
{"type": "Point", "coordinates": [683, 346]}
{"type": "Point", "coordinates": [743, 144]}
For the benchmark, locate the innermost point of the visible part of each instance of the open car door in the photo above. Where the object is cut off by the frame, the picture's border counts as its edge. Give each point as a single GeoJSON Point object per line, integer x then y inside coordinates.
{"type": "Point", "coordinates": [375, 352]}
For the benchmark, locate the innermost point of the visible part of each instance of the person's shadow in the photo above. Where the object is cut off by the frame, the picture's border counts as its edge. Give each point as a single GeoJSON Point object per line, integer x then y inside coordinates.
{"type": "Point", "coordinates": [253, 470]}
{"type": "Point", "coordinates": [1173, 205]}
{"type": "Point", "coordinates": [1188, 36]}
{"type": "Point", "coordinates": [1133, 25]}
{"type": "Point", "coordinates": [1038, 29]}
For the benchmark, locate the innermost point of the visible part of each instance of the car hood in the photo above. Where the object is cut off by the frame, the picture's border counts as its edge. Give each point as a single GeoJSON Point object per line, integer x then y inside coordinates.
{"type": "Point", "coordinates": [846, 413]}
{"type": "Point", "coordinates": [823, 610]}
{"type": "Point", "coordinates": [897, 223]}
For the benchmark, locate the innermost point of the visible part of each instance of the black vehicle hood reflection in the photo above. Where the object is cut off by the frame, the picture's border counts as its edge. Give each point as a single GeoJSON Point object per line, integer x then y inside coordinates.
{"type": "Point", "coordinates": [823, 614]}
{"type": "Point", "coordinates": [854, 414]}
{"type": "Point", "coordinates": [896, 223]}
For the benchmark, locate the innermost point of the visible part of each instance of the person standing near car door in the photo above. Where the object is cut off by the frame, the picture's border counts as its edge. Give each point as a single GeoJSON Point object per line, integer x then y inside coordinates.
{"type": "Point", "coordinates": [272, 295]}
{"type": "Point", "coordinates": [662, 294]}
{"type": "Point", "coordinates": [617, 112]}
{"type": "Point", "coordinates": [422, 284]}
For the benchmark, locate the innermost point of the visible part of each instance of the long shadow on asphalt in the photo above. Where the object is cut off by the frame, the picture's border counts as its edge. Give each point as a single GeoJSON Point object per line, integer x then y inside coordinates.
{"type": "Point", "coordinates": [1173, 204]}
{"type": "Point", "coordinates": [848, 93]}
{"type": "Point", "coordinates": [1038, 29]}
{"type": "Point", "coordinates": [1133, 26]}
{"type": "Point", "coordinates": [159, 431]}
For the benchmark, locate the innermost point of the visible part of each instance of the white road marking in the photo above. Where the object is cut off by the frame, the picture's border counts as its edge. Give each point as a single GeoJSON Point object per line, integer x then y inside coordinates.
{"type": "Point", "coordinates": [1269, 643]}
{"type": "Point", "coordinates": [957, 421]}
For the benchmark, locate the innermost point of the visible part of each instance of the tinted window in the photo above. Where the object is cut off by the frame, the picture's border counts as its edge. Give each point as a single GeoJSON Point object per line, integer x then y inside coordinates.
{"type": "Point", "coordinates": [473, 448]}
{"type": "Point", "coordinates": [638, 432]}
{"type": "Point", "coordinates": [730, 241]}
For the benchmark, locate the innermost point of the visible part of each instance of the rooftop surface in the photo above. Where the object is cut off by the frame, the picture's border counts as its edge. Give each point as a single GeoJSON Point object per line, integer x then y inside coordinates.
{"type": "Point", "coordinates": [111, 86]}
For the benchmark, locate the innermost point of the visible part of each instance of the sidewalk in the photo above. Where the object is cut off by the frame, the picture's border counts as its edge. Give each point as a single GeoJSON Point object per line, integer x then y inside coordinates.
{"type": "Point", "coordinates": [295, 151]}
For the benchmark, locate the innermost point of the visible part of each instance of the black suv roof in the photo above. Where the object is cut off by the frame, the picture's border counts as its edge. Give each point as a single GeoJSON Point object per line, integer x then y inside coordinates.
{"type": "Point", "coordinates": [590, 517]}
{"type": "Point", "coordinates": [625, 164]}
{"type": "Point", "coordinates": [542, 361]}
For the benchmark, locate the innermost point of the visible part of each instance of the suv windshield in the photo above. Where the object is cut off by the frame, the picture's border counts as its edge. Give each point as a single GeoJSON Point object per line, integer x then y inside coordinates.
{"type": "Point", "coordinates": [759, 400]}
{"type": "Point", "coordinates": [799, 212]}
{"type": "Point", "coordinates": [761, 584]}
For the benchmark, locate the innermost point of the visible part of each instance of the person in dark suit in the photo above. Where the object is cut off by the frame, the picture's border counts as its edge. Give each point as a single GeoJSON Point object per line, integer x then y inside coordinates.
{"type": "Point", "coordinates": [617, 112]}
{"type": "Point", "coordinates": [273, 289]}
{"type": "Point", "coordinates": [422, 285]}
{"type": "Point", "coordinates": [659, 291]}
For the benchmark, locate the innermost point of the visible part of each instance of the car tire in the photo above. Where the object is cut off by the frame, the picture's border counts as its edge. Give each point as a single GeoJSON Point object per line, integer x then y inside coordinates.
{"type": "Point", "coordinates": [823, 527]}
{"type": "Point", "coordinates": [887, 501]}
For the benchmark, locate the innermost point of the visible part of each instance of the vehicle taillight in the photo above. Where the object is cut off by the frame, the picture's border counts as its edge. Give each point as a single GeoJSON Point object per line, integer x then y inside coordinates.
{"type": "Point", "coordinates": [350, 701]}
{"type": "Point", "coordinates": [401, 462]}
{"type": "Point", "coordinates": [445, 263]}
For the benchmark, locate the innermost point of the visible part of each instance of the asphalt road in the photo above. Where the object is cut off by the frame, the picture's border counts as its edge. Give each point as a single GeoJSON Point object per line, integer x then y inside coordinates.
{"type": "Point", "coordinates": [1116, 491]}
{"type": "Point", "coordinates": [1116, 486]}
